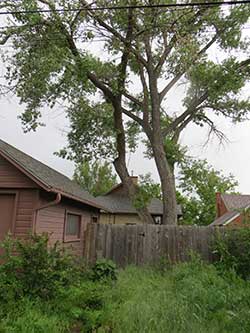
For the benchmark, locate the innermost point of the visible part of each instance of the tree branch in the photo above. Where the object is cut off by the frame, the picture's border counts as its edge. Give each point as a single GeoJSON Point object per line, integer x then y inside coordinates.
{"type": "Point", "coordinates": [132, 98]}
{"type": "Point", "coordinates": [192, 109]}
{"type": "Point", "coordinates": [115, 33]}
{"type": "Point", "coordinates": [169, 46]}
{"type": "Point", "coordinates": [214, 130]}
{"type": "Point", "coordinates": [169, 86]}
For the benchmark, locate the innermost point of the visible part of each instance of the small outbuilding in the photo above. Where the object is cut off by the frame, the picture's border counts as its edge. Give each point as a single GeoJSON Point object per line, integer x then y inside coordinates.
{"type": "Point", "coordinates": [36, 198]}
{"type": "Point", "coordinates": [120, 210]}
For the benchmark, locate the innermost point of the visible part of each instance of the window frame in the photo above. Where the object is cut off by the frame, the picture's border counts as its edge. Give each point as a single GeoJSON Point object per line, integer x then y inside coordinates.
{"type": "Point", "coordinates": [70, 238]}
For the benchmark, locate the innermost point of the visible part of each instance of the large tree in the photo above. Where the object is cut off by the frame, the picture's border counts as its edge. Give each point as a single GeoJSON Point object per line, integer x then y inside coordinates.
{"type": "Point", "coordinates": [146, 51]}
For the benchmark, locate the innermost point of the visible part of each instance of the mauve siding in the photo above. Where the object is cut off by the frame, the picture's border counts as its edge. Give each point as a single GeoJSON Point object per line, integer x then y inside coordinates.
{"type": "Point", "coordinates": [25, 211]}
{"type": "Point", "coordinates": [51, 220]}
{"type": "Point", "coordinates": [11, 177]}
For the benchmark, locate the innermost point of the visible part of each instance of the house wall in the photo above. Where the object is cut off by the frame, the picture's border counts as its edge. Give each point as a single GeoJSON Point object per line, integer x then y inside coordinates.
{"type": "Point", "coordinates": [237, 222]}
{"type": "Point", "coordinates": [26, 203]}
{"type": "Point", "coordinates": [119, 219]}
{"type": "Point", "coordinates": [221, 208]}
{"type": "Point", "coordinates": [11, 177]}
{"type": "Point", "coordinates": [26, 194]}
{"type": "Point", "coordinates": [51, 220]}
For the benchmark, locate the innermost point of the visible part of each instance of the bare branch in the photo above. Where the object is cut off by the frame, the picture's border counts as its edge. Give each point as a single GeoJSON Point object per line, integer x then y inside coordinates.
{"type": "Point", "coordinates": [213, 130]}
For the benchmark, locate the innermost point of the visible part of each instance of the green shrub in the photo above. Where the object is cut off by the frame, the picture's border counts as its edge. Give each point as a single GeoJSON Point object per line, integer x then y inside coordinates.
{"type": "Point", "coordinates": [233, 251]}
{"type": "Point", "coordinates": [38, 270]}
{"type": "Point", "coordinates": [104, 269]}
{"type": "Point", "coordinates": [83, 304]}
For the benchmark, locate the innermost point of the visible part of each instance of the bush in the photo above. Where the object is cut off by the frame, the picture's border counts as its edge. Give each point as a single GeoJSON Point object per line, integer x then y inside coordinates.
{"type": "Point", "coordinates": [104, 270]}
{"type": "Point", "coordinates": [233, 251]}
{"type": "Point", "coordinates": [38, 270]}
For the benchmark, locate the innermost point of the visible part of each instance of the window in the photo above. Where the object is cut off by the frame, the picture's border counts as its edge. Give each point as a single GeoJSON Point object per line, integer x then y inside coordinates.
{"type": "Point", "coordinates": [94, 219]}
{"type": "Point", "coordinates": [157, 219]}
{"type": "Point", "coordinates": [72, 227]}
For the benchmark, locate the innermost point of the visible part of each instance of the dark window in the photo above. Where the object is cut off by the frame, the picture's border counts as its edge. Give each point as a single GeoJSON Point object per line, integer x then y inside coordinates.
{"type": "Point", "coordinates": [73, 226]}
{"type": "Point", "coordinates": [94, 219]}
{"type": "Point", "coordinates": [158, 219]}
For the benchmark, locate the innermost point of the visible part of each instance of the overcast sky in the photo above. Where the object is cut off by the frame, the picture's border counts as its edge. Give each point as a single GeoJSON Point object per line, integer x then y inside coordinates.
{"type": "Point", "coordinates": [233, 157]}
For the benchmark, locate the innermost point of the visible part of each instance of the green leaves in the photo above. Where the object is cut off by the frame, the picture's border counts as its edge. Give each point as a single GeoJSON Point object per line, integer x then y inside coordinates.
{"type": "Point", "coordinates": [97, 178]}
{"type": "Point", "coordinates": [92, 133]}
{"type": "Point", "coordinates": [198, 182]}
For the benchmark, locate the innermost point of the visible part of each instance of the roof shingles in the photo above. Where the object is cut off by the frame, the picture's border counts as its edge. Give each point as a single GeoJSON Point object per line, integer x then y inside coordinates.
{"type": "Point", "coordinates": [50, 178]}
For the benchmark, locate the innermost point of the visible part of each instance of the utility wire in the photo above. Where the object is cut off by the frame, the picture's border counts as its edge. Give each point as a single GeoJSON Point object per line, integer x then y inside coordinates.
{"type": "Point", "coordinates": [173, 5]}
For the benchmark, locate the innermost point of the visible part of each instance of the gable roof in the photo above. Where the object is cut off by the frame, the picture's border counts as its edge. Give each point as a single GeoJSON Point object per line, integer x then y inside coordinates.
{"type": "Point", "coordinates": [120, 203]}
{"type": "Point", "coordinates": [46, 177]}
{"type": "Point", "coordinates": [225, 219]}
{"type": "Point", "coordinates": [236, 201]}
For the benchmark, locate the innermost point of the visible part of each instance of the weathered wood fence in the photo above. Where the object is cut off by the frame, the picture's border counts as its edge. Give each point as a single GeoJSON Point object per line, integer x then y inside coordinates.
{"type": "Point", "coordinates": [145, 244]}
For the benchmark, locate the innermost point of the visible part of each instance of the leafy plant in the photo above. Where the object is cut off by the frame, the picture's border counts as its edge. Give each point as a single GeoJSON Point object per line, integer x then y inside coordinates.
{"type": "Point", "coordinates": [233, 251]}
{"type": "Point", "coordinates": [31, 267]}
{"type": "Point", "coordinates": [104, 269]}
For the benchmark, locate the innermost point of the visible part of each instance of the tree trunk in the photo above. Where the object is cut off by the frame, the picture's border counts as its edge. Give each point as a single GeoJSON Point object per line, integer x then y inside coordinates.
{"type": "Point", "coordinates": [120, 163]}
{"type": "Point", "coordinates": [157, 143]}
{"type": "Point", "coordinates": [167, 184]}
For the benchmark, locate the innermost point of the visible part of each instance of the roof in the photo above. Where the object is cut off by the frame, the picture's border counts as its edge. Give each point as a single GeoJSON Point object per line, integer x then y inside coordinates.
{"type": "Point", "coordinates": [236, 201]}
{"type": "Point", "coordinates": [123, 205]}
{"type": "Point", "coordinates": [48, 178]}
{"type": "Point", "coordinates": [225, 219]}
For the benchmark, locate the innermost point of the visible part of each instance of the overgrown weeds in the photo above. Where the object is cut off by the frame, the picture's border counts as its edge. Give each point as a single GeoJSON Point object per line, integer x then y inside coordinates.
{"type": "Point", "coordinates": [49, 293]}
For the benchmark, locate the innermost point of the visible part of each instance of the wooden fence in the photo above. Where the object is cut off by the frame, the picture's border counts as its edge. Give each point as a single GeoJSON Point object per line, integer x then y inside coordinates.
{"type": "Point", "coordinates": [145, 244]}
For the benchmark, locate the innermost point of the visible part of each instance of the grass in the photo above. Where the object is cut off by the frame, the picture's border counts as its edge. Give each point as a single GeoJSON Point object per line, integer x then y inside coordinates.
{"type": "Point", "coordinates": [192, 297]}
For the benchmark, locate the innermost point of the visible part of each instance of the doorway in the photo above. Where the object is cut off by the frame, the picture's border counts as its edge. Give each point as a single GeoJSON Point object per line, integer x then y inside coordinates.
{"type": "Point", "coordinates": [7, 209]}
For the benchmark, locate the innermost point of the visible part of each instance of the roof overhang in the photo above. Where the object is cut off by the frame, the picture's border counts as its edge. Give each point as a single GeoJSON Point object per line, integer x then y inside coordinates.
{"type": "Point", "coordinates": [44, 185]}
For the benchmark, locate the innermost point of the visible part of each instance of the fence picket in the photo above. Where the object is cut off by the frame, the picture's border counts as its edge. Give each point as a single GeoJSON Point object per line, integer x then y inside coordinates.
{"type": "Point", "coordinates": [145, 244]}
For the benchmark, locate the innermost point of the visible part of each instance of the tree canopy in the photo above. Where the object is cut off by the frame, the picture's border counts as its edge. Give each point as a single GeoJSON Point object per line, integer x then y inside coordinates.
{"type": "Point", "coordinates": [115, 96]}
{"type": "Point", "coordinates": [97, 178]}
{"type": "Point", "coordinates": [197, 186]}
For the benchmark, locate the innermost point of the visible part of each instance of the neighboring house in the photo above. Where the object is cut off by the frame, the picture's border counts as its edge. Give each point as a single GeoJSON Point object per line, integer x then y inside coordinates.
{"type": "Point", "coordinates": [36, 198]}
{"type": "Point", "coordinates": [231, 209]}
{"type": "Point", "coordinates": [120, 210]}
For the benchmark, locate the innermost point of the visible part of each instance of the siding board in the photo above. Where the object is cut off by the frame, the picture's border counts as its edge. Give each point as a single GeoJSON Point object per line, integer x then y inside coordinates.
{"type": "Point", "coordinates": [51, 220]}
{"type": "Point", "coordinates": [11, 177]}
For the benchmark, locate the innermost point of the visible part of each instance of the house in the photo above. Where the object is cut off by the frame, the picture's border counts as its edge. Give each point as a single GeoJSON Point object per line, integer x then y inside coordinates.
{"type": "Point", "coordinates": [36, 198]}
{"type": "Point", "coordinates": [120, 210]}
{"type": "Point", "coordinates": [231, 209]}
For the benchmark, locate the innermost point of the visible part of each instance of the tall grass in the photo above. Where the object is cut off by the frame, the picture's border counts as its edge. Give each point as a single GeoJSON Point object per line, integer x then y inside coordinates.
{"type": "Point", "coordinates": [43, 291]}
{"type": "Point", "coordinates": [190, 298]}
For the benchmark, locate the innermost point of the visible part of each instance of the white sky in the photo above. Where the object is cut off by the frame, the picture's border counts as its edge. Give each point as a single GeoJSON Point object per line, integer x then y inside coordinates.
{"type": "Point", "coordinates": [234, 157]}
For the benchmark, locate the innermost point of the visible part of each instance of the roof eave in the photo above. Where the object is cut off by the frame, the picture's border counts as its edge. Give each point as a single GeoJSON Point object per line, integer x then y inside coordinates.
{"type": "Point", "coordinates": [86, 202]}
{"type": "Point", "coordinates": [35, 179]}
{"type": "Point", "coordinates": [44, 185]}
